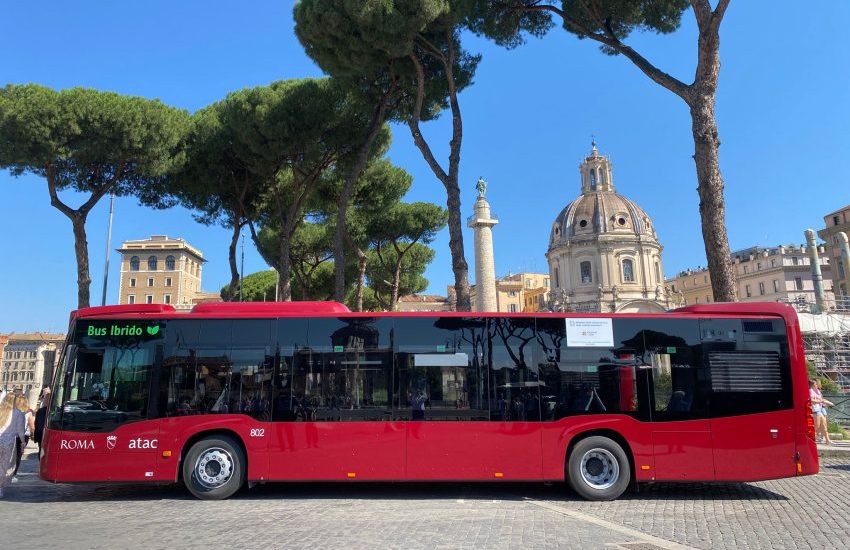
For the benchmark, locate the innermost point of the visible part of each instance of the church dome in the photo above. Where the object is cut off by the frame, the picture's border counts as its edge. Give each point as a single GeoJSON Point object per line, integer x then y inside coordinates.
{"type": "Point", "coordinates": [599, 209]}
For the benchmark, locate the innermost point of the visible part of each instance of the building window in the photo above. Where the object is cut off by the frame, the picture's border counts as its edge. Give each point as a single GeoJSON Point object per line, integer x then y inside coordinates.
{"type": "Point", "coordinates": [798, 283]}
{"type": "Point", "coordinates": [746, 270]}
{"type": "Point", "coordinates": [512, 308]}
{"type": "Point", "coordinates": [133, 282]}
{"type": "Point", "coordinates": [773, 262]}
{"type": "Point", "coordinates": [696, 300]}
{"type": "Point", "coordinates": [836, 220]}
{"type": "Point", "coordinates": [148, 298]}
{"type": "Point", "coordinates": [557, 277]}
{"type": "Point", "coordinates": [168, 281]}
{"type": "Point", "coordinates": [592, 179]}
{"type": "Point", "coordinates": [795, 260]}
{"type": "Point", "coordinates": [169, 263]}
{"type": "Point", "coordinates": [758, 266]}
{"type": "Point", "coordinates": [705, 279]}
{"type": "Point", "coordinates": [628, 271]}
{"type": "Point", "coordinates": [512, 293]}
{"type": "Point", "coordinates": [761, 289]}
{"type": "Point", "coordinates": [528, 283]}
{"type": "Point", "coordinates": [776, 285]}
{"type": "Point", "coordinates": [150, 281]}
{"type": "Point", "coordinates": [749, 291]}
{"type": "Point", "coordinates": [167, 298]}
{"type": "Point", "coordinates": [152, 263]}
{"type": "Point", "coordinates": [586, 277]}
{"type": "Point", "coordinates": [546, 282]}
{"type": "Point", "coordinates": [657, 273]}
{"type": "Point", "coordinates": [131, 299]}
{"type": "Point", "coordinates": [134, 263]}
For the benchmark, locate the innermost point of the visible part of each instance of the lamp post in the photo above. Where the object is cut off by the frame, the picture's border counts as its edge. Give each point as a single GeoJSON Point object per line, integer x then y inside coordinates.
{"type": "Point", "coordinates": [108, 240]}
{"type": "Point", "coordinates": [242, 267]}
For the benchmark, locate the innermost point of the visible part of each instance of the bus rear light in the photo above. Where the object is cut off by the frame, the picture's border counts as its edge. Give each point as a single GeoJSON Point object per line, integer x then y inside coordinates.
{"type": "Point", "coordinates": [799, 468]}
{"type": "Point", "coordinates": [810, 421]}
{"type": "Point", "coordinates": [644, 466]}
{"type": "Point", "coordinates": [499, 475]}
{"type": "Point", "coordinates": [351, 475]}
{"type": "Point", "coordinates": [166, 454]}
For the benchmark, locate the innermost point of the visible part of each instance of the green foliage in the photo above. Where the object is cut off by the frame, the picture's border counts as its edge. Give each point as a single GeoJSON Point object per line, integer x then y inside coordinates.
{"type": "Point", "coordinates": [256, 287]}
{"type": "Point", "coordinates": [87, 139]}
{"type": "Point", "coordinates": [382, 272]}
{"type": "Point", "coordinates": [508, 22]}
{"type": "Point", "coordinates": [827, 384]}
{"type": "Point", "coordinates": [368, 44]}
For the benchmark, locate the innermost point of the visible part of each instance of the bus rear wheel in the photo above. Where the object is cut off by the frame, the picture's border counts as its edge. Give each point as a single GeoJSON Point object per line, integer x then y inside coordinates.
{"type": "Point", "coordinates": [214, 468]}
{"type": "Point", "coordinates": [598, 469]}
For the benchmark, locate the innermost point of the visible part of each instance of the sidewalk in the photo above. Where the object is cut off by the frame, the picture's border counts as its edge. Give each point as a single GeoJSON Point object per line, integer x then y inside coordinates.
{"type": "Point", "coordinates": [838, 449]}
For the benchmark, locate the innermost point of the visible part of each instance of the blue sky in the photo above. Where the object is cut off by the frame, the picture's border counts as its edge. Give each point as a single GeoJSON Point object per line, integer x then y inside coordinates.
{"type": "Point", "coordinates": [782, 108]}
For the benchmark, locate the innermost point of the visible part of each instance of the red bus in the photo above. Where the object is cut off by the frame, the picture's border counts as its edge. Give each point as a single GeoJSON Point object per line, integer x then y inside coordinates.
{"type": "Point", "coordinates": [245, 393]}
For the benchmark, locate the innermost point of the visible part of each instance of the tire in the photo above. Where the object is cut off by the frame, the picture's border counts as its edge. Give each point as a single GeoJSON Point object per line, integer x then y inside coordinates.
{"type": "Point", "coordinates": [214, 468]}
{"type": "Point", "coordinates": [598, 469]}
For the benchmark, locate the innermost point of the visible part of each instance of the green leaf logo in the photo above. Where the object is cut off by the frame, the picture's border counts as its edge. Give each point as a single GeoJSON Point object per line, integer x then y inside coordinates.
{"type": "Point", "coordinates": [153, 331]}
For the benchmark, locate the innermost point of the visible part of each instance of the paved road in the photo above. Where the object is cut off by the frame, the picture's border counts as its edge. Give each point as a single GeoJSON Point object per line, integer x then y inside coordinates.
{"type": "Point", "coordinates": [810, 512]}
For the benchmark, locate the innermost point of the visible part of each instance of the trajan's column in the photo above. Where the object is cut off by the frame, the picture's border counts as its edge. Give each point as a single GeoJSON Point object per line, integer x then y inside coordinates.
{"type": "Point", "coordinates": [482, 222]}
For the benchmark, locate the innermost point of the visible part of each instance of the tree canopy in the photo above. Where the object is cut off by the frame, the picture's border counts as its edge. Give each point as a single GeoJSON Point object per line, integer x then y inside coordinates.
{"type": "Point", "coordinates": [88, 141]}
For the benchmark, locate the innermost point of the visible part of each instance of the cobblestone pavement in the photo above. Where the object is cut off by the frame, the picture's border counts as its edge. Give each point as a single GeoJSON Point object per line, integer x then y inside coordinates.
{"type": "Point", "coordinates": [809, 512]}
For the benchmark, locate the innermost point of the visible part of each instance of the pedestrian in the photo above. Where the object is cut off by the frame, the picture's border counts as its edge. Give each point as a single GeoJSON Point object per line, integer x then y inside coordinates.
{"type": "Point", "coordinates": [12, 428]}
{"type": "Point", "coordinates": [22, 404]}
{"type": "Point", "coordinates": [819, 405]}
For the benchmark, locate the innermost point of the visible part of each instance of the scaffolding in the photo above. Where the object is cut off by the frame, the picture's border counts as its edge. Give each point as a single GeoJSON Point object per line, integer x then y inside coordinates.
{"type": "Point", "coordinates": [826, 341]}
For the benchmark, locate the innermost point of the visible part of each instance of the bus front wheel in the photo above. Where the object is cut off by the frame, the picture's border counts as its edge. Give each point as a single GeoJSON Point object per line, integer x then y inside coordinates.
{"type": "Point", "coordinates": [598, 468]}
{"type": "Point", "coordinates": [214, 468]}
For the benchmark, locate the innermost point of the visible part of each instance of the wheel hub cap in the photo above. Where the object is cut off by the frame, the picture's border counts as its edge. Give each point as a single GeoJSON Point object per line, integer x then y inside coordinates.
{"type": "Point", "coordinates": [599, 469]}
{"type": "Point", "coordinates": [214, 468]}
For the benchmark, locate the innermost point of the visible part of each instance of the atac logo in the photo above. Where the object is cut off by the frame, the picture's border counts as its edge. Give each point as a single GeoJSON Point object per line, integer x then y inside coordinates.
{"type": "Point", "coordinates": [110, 442]}
{"type": "Point", "coordinates": [77, 444]}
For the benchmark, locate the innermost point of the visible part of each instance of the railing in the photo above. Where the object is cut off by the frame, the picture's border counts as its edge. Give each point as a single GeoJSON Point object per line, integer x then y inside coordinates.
{"type": "Point", "coordinates": [840, 413]}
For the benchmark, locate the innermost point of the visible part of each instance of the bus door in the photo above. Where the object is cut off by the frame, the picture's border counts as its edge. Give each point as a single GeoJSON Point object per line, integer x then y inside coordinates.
{"type": "Point", "coordinates": [752, 416]}
{"type": "Point", "coordinates": [681, 431]}
{"type": "Point", "coordinates": [331, 410]}
{"type": "Point", "coordinates": [470, 392]}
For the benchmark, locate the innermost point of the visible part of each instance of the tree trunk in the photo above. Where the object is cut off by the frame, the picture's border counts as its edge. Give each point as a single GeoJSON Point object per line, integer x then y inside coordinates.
{"type": "Point", "coordinates": [234, 271]}
{"type": "Point", "coordinates": [459, 265]}
{"type": "Point", "coordinates": [81, 250]}
{"type": "Point", "coordinates": [361, 277]}
{"type": "Point", "coordinates": [396, 283]}
{"type": "Point", "coordinates": [284, 284]}
{"type": "Point", "coordinates": [712, 207]}
{"type": "Point", "coordinates": [345, 196]}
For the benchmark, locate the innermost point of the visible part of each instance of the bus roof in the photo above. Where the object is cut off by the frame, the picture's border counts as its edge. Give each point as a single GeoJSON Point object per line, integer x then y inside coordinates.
{"type": "Point", "coordinates": [306, 309]}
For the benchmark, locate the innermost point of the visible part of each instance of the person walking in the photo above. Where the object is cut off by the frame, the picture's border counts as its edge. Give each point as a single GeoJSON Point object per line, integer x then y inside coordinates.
{"type": "Point", "coordinates": [22, 404]}
{"type": "Point", "coordinates": [12, 428]}
{"type": "Point", "coordinates": [819, 405]}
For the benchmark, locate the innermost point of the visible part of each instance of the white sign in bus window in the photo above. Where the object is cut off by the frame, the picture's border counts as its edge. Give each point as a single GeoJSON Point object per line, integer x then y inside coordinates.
{"type": "Point", "coordinates": [590, 333]}
{"type": "Point", "coordinates": [441, 360]}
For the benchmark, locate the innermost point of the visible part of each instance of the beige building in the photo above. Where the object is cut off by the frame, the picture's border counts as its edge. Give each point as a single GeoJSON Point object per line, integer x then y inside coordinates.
{"type": "Point", "coordinates": [28, 361]}
{"type": "Point", "coordinates": [159, 270]}
{"type": "Point", "coordinates": [604, 254]}
{"type": "Point", "coordinates": [835, 223]}
{"type": "Point", "coordinates": [515, 293]}
{"type": "Point", "coordinates": [424, 302]}
{"type": "Point", "coordinates": [778, 274]}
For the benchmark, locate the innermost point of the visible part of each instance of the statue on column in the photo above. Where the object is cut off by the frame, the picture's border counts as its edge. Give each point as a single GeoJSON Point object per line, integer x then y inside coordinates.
{"type": "Point", "coordinates": [481, 187]}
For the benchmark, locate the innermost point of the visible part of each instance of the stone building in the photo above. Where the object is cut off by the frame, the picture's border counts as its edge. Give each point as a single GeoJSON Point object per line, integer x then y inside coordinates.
{"type": "Point", "coordinates": [836, 223]}
{"type": "Point", "coordinates": [424, 302]}
{"type": "Point", "coordinates": [604, 254]}
{"type": "Point", "coordinates": [764, 274]}
{"type": "Point", "coordinates": [159, 270]}
{"type": "Point", "coordinates": [28, 361]}
{"type": "Point", "coordinates": [515, 293]}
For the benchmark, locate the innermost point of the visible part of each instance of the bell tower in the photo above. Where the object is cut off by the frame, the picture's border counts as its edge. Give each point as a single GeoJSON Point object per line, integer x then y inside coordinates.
{"type": "Point", "coordinates": [596, 174]}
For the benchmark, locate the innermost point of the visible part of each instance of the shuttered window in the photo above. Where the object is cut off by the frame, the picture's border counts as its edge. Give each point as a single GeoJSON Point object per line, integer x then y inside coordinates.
{"type": "Point", "coordinates": [745, 371]}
